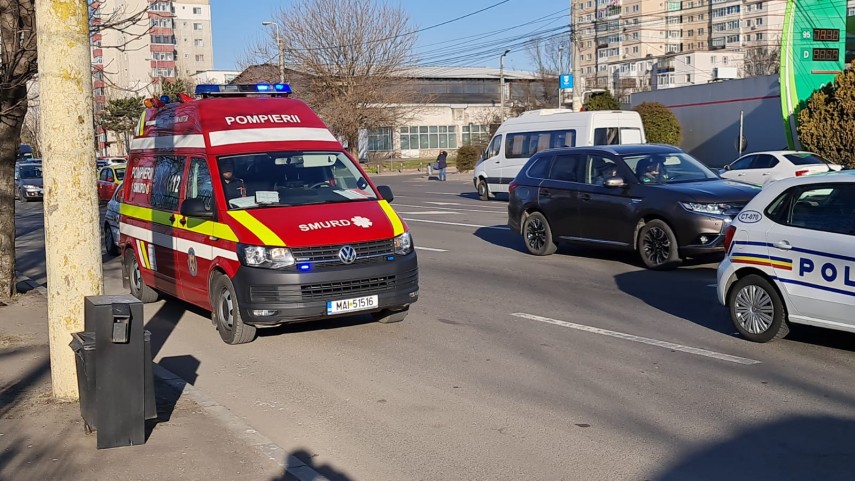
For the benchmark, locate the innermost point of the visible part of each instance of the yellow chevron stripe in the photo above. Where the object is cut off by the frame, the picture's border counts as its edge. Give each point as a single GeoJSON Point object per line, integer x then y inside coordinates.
{"type": "Point", "coordinates": [144, 254]}
{"type": "Point", "coordinates": [199, 226]}
{"type": "Point", "coordinates": [267, 236]}
{"type": "Point", "coordinates": [397, 225]}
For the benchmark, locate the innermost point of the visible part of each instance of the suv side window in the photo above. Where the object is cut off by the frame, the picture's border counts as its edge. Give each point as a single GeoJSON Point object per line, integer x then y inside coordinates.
{"type": "Point", "coordinates": [599, 168]}
{"type": "Point", "coordinates": [540, 167]}
{"type": "Point", "coordinates": [493, 149]}
{"type": "Point", "coordinates": [199, 182]}
{"type": "Point", "coordinates": [567, 167]}
{"type": "Point", "coordinates": [166, 185]}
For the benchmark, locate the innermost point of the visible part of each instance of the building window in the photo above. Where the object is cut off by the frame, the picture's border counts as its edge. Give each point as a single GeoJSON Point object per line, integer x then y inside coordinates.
{"type": "Point", "coordinates": [759, 21]}
{"type": "Point", "coordinates": [850, 12]}
{"type": "Point", "coordinates": [197, 26]}
{"type": "Point", "coordinates": [198, 42]}
{"type": "Point", "coordinates": [380, 139]}
{"type": "Point", "coordinates": [476, 134]}
{"type": "Point", "coordinates": [197, 10]}
{"type": "Point", "coordinates": [688, 78]}
{"type": "Point", "coordinates": [688, 60]}
{"type": "Point", "coordinates": [674, 6]}
{"type": "Point", "coordinates": [163, 39]}
{"type": "Point", "coordinates": [200, 58]}
{"type": "Point", "coordinates": [429, 137]}
{"type": "Point", "coordinates": [759, 36]}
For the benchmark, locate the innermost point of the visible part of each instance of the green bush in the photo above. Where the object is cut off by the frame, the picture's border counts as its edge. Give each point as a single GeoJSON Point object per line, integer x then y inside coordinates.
{"type": "Point", "coordinates": [660, 124]}
{"type": "Point", "coordinates": [827, 123]}
{"type": "Point", "coordinates": [467, 157]}
{"type": "Point", "coordinates": [602, 101]}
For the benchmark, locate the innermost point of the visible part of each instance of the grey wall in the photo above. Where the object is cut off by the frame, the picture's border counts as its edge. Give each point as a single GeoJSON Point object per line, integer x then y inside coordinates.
{"type": "Point", "coordinates": [709, 116]}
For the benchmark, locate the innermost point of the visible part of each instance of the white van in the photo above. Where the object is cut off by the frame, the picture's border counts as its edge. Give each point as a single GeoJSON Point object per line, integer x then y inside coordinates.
{"type": "Point", "coordinates": [519, 138]}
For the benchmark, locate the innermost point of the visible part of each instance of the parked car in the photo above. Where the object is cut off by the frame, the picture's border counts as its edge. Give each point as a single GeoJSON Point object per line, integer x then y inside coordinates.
{"type": "Point", "coordinates": [108, 178]}
{"type": "Point", "coordinates": [760, 168]}
{"type": "Point", "coordinates": [28, 181]}
{"type": "Point", "coordinates": [654, 199]}
{"type": "Point", "coordinates": [111, 222]}
{"type": "Point", "coordinates": [790, 258]}
{"type": "Point", "coordinates": [105, 161]}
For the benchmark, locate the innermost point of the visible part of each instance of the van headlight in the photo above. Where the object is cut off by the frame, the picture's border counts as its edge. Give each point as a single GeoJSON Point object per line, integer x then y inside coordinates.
{"type": "Point", "coordinates": [266, 257]}
{"type": "Point", "coordinates": [403, 244]}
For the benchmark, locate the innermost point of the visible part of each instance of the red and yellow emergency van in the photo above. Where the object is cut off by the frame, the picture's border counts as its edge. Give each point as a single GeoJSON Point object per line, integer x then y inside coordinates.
{"type": "Point", "coordinates": [247, 205]}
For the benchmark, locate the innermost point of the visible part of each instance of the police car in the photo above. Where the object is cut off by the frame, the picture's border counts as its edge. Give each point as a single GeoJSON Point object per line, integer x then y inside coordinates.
{"type": "Point", "coordinates": [791, 258]}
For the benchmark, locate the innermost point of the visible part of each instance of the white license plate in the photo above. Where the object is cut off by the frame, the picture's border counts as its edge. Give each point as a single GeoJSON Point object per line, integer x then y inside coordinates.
{"type": "Point", "coordinates": [351, 305]}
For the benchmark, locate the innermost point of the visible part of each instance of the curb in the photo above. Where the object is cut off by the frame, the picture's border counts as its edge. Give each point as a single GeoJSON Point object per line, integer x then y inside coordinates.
{"type": "Point", "coordinates": [235, 425]}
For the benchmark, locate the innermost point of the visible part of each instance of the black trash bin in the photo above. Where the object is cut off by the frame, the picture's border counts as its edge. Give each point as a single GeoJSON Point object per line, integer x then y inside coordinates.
{"type": "Point", "coordinates": [83, 345]}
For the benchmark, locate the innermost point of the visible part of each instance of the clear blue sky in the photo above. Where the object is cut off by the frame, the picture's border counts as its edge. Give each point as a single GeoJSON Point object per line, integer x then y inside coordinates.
{"type": "Point", "coordinates": [475, 41]}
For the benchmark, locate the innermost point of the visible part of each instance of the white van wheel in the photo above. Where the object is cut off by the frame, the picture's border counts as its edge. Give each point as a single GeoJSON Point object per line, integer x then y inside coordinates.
{"type": "Point", "coordinates": [483, 190]}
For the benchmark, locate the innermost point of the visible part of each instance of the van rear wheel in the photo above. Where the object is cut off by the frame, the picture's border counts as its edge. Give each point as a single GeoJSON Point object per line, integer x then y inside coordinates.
{"type": "Point", "coordinates": [225, 313]}
{"type": "Point", "coordinates": [139, 288]}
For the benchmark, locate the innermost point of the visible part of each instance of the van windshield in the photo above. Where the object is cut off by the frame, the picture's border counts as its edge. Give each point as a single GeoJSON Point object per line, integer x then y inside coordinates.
{"type": "Point", "coordinates": [291, 178]}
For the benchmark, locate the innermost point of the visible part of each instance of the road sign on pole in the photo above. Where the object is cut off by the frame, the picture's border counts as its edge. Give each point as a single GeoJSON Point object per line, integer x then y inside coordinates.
{"type": "Point", "coordinates": [565, 81]}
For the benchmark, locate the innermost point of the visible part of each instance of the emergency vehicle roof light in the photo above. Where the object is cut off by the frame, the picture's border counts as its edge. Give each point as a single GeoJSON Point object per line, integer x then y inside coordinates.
{"type": "Point", "coordinates": [242, 90]}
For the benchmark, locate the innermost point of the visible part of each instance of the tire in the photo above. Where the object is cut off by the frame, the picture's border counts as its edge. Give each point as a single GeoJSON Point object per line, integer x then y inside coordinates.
{"type": "Point", "coordinates": [110, 243]}
{"type": "Point", "coordinates": [538, 235]}
{"type": "Point", "coordinates": [389, 317]}
{"type": "Point", "coordinates": [225, 312]}
{"type": "Point", "coordinates": [483, 190]}
{"type": "Point", "coordinates": [657, 246]}
{"type": "Point", "coordinates": [757, 310]}
{"type": "Point", "coordinates": [139, 289]}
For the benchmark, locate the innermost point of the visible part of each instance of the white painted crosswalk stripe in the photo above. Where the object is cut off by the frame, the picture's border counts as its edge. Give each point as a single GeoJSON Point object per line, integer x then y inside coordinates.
{"type": "Point", "coordinates": [461, 224]}
{"type": "Point", "coordinates": [430, 249]}
{"type": "Point", "coordinates": [639, 339]}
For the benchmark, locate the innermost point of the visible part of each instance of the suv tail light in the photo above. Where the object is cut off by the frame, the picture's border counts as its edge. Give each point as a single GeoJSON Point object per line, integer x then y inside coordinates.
{"type": "Point", "coordinates": [802, 172]}
{"type": "Point", "coordinates": [512, 187]}
{"type": "Point", "coordinates": [728, 238]}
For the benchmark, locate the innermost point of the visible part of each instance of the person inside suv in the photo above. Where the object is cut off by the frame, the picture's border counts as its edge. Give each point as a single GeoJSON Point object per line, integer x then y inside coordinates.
{"type": "Point", "coordinates": [651, 171]}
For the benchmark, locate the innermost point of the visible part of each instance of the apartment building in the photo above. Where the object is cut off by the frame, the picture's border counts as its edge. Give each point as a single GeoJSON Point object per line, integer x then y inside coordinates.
{"type": "Point", "coordinates": [193, 38]}
{"type": "Point", "coordinates": [699, 67]}
{"type": "Point", "coordinates": [622, 41]}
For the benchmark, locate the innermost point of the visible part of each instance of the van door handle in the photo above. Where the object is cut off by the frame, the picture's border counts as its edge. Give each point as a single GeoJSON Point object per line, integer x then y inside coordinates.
{"type": "Point", "coordinates": [783, 245]}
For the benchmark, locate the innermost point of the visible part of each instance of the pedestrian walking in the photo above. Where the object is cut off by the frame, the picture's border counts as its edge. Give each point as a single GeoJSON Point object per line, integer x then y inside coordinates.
{"type": "Point", "coordinates": [442, 164]}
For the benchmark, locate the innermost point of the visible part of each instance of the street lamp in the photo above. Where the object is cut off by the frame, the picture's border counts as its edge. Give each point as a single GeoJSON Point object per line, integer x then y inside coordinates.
{"type": "Point", "coordinates": [502, 81]}
{"type": "Point", "coordinates": [281, 50]}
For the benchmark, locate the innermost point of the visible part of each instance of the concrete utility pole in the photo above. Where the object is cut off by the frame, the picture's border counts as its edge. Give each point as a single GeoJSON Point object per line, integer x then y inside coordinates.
{"type": "Point", "coordinates": [72, 234]}
{"type": "Point", "coordinates": [281, 44]}
{"type": "Point", "coordinates": [560, 72]}
{"type": "Point", "coordinates": [502, 82]}
{"type": "Point", "coordinates": [574, 38]}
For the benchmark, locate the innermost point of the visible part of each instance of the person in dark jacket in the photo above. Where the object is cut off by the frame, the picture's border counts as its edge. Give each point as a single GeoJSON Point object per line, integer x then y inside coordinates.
{"type": "Point", "coordinates": [232, 187]}
{"type": "Point", "coordinates": [442, 164]}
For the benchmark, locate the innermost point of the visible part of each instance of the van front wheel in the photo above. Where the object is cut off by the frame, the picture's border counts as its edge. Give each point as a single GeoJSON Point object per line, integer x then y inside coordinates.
{"type": "Point", "coordinates": [225, 312]}
{"type": "Point", "coordinates": [483, 190]}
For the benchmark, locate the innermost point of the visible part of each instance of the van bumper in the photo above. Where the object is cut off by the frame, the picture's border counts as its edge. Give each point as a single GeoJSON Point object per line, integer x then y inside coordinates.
{"type": "Point", "coordinates": [302, 296]}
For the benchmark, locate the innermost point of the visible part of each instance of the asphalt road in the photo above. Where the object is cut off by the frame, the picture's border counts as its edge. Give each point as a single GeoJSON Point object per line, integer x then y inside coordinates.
{"type": "Point", "coordinates": [578, 366]}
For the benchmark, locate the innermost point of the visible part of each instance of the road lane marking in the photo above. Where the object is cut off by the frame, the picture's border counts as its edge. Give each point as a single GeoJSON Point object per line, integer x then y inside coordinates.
{"type": "Point", "coordinates": [499, 227]}
{"type": "Point", "coordinates": [432, 212]}
{"type": "Point", "coordinates": [444, 193]}
{"type": "Point", "coordinates": [454, 209]}
{"type": "Point", "coordinates": [442, 203]}
{"type": "Point", "coordinates": [642, 340]}
{"type": "Point", "coordinates": [429, 249]}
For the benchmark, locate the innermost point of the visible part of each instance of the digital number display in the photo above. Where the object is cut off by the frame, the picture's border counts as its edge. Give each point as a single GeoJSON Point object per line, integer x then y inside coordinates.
{"type": "Point", "coordinates": [826, 35]}
{"type": "Point", "coordinates": [826, 54]}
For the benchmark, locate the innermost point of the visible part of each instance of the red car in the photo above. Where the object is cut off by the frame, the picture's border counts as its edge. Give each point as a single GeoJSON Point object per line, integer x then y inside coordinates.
{"type": "Point", "coordinates": [108, 178]}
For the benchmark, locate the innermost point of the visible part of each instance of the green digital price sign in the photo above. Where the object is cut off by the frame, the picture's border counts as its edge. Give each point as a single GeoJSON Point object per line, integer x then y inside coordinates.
{"type": "Point", "coordinates": [812, 51]}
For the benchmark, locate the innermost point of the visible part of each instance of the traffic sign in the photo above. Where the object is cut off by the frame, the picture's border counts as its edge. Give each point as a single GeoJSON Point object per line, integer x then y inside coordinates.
{"type": "Point", "coordinates": [565, 81]}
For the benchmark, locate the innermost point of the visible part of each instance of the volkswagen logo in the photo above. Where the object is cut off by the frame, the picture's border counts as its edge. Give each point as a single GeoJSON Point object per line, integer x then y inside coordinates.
{"type": "Point", "coordinates": [347, 254]}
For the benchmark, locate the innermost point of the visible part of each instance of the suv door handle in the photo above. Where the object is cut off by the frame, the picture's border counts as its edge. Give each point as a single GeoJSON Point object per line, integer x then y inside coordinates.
{"type": "Point", "coordinates": [585, 197]}
{"type": "Point", "coordinates": [545, 193]}
{"type": "Point", "coordinates": [783, 245]}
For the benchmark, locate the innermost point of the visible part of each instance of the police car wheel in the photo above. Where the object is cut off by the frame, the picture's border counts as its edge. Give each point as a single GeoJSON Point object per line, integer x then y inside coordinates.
{"type": "Point", "coordinates": [657, 246]}
{"type": "Point", "coordinates": [226, 313]}
{"type": "Point", "coordinates": [483, 190]}
{"type": "Point", "coordinates": [388, 317]}
{"type": "Point", "coordinates": [538, 235]}
{"type": "Point", "coordinates": [757, 310]}
{"type": "Point", "coordinates": [110, 243]}
{"type": "Point", "coordinates": [139, 289]}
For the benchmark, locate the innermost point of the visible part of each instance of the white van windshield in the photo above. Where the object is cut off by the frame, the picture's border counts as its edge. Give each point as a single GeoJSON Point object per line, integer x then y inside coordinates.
{"type": "Point", "coordinates": [273, 179]}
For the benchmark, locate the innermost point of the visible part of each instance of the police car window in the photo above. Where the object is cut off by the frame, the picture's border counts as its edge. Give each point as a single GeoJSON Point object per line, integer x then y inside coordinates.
{"type": "Point", "coordinates": [827, 208]}
{"type": "Point", "coordinates": [166, 185]}
{"type": "Point", "coordinates": [291, 178]}
{"type": "Point", "coordinates": [199, 182]}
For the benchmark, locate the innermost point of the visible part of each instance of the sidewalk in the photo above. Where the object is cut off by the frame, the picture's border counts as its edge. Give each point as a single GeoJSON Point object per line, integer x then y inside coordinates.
{"type": "Point", "coordinates": [192, 439]}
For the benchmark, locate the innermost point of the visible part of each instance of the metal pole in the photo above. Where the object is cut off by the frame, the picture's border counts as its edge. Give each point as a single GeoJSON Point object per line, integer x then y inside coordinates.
{"type": "Point", "coordinates": [741, 124]}
{"type": "Point", "coordinates": [560, 70]}
{"type": "Point", "coordinates": [72, 233]}
{"type": "Point", "coordinates": [574, 38]}
{"type": "Point", "coordinates": [281, 56]}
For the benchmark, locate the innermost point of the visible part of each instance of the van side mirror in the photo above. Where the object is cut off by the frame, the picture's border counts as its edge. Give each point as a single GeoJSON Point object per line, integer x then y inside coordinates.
{"type": "Point", "coordinates": [386, 193]}
{"type": "Point", "coordinates": [196, 208]}
{"type": "Point", "coordinates": [614, 182]}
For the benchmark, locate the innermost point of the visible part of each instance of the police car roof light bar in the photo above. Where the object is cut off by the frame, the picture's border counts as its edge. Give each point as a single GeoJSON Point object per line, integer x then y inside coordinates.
{"type": "Point", "coordinates": [242, 90]}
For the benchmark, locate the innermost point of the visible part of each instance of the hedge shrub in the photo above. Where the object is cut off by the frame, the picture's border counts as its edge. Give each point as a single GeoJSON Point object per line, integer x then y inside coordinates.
{"type": "Point", "coordinates": [827, 123]}
{"type": "Point", "coordinates": [467, 157]}
{"type": "Point", "coordinates": [602, 101]}
{"type": "Point", "coordinates": [660, 124]}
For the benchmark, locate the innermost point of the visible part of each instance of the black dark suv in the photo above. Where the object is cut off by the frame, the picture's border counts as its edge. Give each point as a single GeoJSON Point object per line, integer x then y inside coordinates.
{"type": "Point", "coordinates": [655, 199]}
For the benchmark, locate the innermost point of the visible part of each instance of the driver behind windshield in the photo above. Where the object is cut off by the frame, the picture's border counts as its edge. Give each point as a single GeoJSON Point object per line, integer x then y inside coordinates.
{"type": "Point", "coordinates": [650, 171]}
{"type": "Point", "coordinates": [233, 187]}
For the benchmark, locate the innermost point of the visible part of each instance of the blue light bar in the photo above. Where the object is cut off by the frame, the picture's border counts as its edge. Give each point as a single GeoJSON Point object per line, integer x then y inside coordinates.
{"type": "Point", "coordinates": [242, 90]}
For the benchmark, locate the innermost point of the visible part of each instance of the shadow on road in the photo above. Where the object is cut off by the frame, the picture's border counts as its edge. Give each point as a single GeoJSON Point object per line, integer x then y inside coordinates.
{"type": "Point", "coordinates": [299, 460]}
{"type": "Point", "coordinates": [796, 448]}
{"type": "Point", "coordinates": [308, 326]}
{"type": "Point", "coordinates": [501, 237]}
